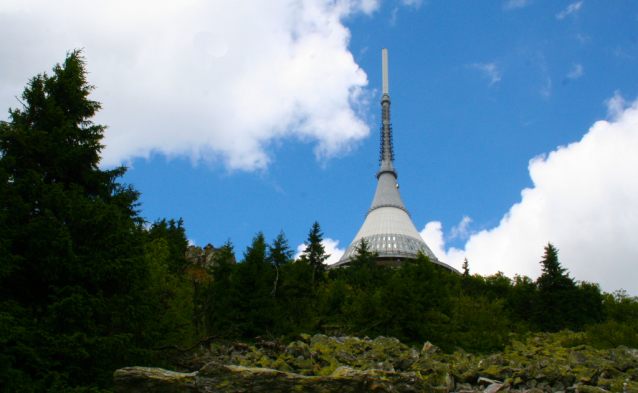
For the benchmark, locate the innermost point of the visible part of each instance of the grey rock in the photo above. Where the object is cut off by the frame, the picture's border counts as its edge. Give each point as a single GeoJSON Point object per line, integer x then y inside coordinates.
{"type": "Point", "coordinates": [487, 381]}
{"type": "Point", "coordinates": [495, 387]}
{"type": "Point", "coordinates": [218, 378]}
{"type": "Point", "coordinates": [428, 347]}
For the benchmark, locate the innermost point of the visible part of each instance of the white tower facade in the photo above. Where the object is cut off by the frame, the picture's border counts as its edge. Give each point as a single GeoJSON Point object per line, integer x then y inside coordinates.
{"type": "Point", "coordinates": [388, 228]}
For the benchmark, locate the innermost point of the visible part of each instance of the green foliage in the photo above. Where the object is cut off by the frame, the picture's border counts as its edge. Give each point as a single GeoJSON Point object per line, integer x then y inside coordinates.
{"type": "Point", "coordinates": [621, 307]}
{"type": "Point", "coordinates": [364, 271]}
{"type": "Point", "coordinates": [73, 245]}
{"type": "Point", "coordinates": [279, 253]}
{"type": "Point", "coordinates": [611, 334]}
{"type": "Point", "coordinates": [479, 324]}
{"type": "Point", "coordinates": [84, 288]}
{"type": "Point", "coordinates": [171, 295]}
{"type": "Point", "coordinates": [220, 304]}
{"type": "Point", "coordinates": [554, 278]}
{"type": "Point", "coordinates": [466, 268]}
{"type": "Point", "coordinates": [561, 302]}
{"type": "Point", "coordinates": [315, 251]}
{"type": "Point", "coordinates": [175, 235]}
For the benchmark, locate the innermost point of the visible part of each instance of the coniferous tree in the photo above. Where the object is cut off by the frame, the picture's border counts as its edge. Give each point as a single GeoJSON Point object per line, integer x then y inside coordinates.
{"type": "Point", "coordinates": [315, 251]}
{"type": "Point", "coordinates": [363, 256]}
{"type": "Point", "coordinates": [175, 235]}
{"type": "Point", "coordinates": [253, 284]}
{"type": "Point", "coordinates": [364, 269]}
{"type": "Point", "coordinates": [222, 303]}
{"type": "Point", "coordinates": [73, 274]}
{"type": "Point", "coordinates": [466, 268]}
{"type": "Point", "coordinates": [296, 297]}
{"type": "Point", "coordinates": [557, 293]}
{"type": "Point", "coordinates": [554, 276]}
{"type": "Point", "coordinates": [278, 254]}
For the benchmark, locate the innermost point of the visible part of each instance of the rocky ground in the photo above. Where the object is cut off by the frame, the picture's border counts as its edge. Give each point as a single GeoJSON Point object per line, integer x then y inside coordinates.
{"type": "Point", "coordinates": [541, 363]}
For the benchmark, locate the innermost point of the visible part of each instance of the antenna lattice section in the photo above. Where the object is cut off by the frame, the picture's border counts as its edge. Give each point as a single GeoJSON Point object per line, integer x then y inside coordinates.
{"type": "Point", "coordinates": [386, 120]}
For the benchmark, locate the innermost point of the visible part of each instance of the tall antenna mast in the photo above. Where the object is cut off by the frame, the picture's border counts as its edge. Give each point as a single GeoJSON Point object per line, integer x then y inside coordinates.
{"type": "Point", "coordinates": [386, 155]}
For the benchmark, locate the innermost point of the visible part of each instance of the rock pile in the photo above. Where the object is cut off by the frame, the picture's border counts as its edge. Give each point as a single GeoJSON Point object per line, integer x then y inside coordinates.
{"type": "Point", "coordinates": [542, 363]}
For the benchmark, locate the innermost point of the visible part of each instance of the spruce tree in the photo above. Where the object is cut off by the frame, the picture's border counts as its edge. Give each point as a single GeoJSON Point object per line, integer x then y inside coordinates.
{"type": "Point", "coordinates": [222, 303]}
{"type": "Point", "coordinates": [554, 276]}
{"type": "Point", "coordinates": [253, 283]}
{"type": "Point", "coordinates": [315, 251]}
{"type": "Point", "coordinates": [557, 292]}
{"type": "Point", "coordinates": [72, 244]}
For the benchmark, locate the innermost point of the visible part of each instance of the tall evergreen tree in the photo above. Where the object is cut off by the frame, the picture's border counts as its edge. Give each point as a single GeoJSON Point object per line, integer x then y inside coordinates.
{"type": "Point", "coordinates": [253, 283]}
{"type": "Point", "coordinates": [315, 251]}
{"type": "Point", "coordinates": [221, 306]}
{"type": "Point", "coordinates": [557, 292]}
{"type": "Point", "coordinates": [72, 254]}
{"type": "Point", "coordinates": [554, 276]}
{"type": "Point", "coordinates": [278, 254]}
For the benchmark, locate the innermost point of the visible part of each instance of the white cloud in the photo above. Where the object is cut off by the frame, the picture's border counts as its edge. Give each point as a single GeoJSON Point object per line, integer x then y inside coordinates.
{"type": "Point", "coordinates": [433, 236]}
{"type": "Point", "coordinates": [416, 3]}
{"type": "Point", "coordinates": [616, 106]}
{"type": "Point", "coordinates": [513, 4]}
{"type": "Point", "coordinates": [490, 71]}
{"type": "Point", "coordinates": [546, 89]}
{"type": "Point", "coordinates": [393, 18]}
{"type": "Point", "coordinates": [583, 201]}
{"type": "Point", "coordinates": [572, 8]}
{"type": "Point", "coordinates": [461, 230]}
{"type": "Point", "coordinates": [217, 81]}
{"type": "Point", "coordinates": [576, 72]}
{"type": "Point", "coordinates": [331, 248]}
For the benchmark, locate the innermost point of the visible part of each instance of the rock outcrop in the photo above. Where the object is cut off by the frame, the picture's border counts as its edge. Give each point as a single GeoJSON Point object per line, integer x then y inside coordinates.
{"type": "Point", "coordinates": [543, 363]}
{"type": "Point", "coordinates": [203, 257]}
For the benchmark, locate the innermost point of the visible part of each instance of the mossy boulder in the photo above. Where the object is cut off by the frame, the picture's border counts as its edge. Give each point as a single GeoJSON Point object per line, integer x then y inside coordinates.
{"type": "Point", "coordinates": [541, 363]}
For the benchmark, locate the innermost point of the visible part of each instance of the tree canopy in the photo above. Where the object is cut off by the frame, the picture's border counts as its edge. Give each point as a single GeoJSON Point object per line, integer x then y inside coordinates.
{"type": "Point", "coordinates": [75, 295]}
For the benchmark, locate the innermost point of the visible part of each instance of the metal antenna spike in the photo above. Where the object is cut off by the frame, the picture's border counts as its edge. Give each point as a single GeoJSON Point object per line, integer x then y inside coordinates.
{"type": "Point", "coordinates": [384, 55]}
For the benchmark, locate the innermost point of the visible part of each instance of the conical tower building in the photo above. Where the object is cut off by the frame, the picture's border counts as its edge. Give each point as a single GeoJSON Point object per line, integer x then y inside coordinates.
{"type": "Point", "coordinates": [388, 228]}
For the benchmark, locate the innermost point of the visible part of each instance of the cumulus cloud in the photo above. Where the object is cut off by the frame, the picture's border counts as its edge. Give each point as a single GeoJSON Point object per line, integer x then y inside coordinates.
{"type": "Point", "coordinates": [215, 81]}
{"type": "Point", "coordinates": [514, 4]}
{"type": "Point", "coordinates": [489, 70]}
{"type": "Point", "coordinates": [576, 72]}
{"type": "Point", "coordinates": [571, 9]}
{"type": "Point", "coordinates": [331, 248]}
{"type": "Point", "coordinates": [583, 201]}
{"type": "Point", "coordinates": [433, 236]}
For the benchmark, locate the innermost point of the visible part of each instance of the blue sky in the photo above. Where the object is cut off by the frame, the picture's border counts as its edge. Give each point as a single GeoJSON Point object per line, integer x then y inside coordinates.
{"type": "Point", "coordinates": [253, 116]}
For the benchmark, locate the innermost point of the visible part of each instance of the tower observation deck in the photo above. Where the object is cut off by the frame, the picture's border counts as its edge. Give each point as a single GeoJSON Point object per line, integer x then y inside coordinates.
{"type": "Point", "coordinates": [388, 228]}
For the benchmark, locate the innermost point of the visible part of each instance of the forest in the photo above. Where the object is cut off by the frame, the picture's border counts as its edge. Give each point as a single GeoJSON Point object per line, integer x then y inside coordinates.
{"type": "Point", "coordinates": [88, 286]}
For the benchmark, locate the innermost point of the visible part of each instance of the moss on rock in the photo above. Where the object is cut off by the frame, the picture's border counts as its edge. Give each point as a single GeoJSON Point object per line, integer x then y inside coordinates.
{"type": "Point", "coordinates": [544, 362]}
